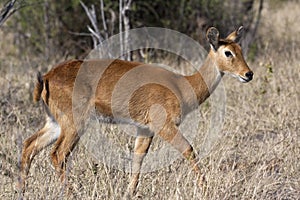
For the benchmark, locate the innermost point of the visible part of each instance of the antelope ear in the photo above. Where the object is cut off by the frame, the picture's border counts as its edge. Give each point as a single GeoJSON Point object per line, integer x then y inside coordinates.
{"type": "Point", "coordinates": [236, 35]}
{"type": "Point", "coordinates": [212, 36]}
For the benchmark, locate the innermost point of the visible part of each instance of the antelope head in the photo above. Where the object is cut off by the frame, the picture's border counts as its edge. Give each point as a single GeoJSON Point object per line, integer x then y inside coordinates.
{"type": "Point", "coordinates": [227, 54]}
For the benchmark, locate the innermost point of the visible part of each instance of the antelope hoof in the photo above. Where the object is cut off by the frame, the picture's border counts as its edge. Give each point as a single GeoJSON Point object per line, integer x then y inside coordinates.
{"type": "Point", "coordinates": [202, 183]}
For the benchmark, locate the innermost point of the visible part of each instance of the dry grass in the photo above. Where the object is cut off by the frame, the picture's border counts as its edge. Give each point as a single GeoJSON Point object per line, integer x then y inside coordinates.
{"type": "Point", "coordinates": [257, 157]}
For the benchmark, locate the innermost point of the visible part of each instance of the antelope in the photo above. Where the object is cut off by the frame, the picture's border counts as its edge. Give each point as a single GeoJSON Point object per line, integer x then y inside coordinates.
{"type": "Point", "coordinates": [176, 94]}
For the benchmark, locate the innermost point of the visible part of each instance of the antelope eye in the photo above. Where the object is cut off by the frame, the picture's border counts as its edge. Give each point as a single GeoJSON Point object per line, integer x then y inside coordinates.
{"type": "Point", "coordinates": [228, 54]}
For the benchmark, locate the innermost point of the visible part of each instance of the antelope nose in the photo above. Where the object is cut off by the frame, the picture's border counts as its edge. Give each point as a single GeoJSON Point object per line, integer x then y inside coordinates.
{"type": "Point", "coordinates": [249, 75]}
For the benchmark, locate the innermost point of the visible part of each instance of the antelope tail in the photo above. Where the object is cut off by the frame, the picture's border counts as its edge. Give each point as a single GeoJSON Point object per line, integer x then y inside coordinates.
{"type": "Point", "coordinates": [39, 86]}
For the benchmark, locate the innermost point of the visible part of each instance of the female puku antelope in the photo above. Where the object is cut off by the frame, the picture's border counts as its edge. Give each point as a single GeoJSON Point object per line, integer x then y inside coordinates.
{"type": "Point", "coordinates": [176, 94]}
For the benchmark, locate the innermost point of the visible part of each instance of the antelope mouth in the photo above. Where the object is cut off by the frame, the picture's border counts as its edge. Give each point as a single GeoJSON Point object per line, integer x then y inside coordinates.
{"type": "Point", "coordinates": [244, 79]}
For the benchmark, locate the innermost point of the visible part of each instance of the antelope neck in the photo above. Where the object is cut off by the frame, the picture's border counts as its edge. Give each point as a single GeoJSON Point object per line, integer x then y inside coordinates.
{"type": "Point", "coordinates": [205, 81]}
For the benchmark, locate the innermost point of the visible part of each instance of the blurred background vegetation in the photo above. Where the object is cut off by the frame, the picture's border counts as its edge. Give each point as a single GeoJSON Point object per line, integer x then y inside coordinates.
{"type": "Point", "coordinates": [59, 30]}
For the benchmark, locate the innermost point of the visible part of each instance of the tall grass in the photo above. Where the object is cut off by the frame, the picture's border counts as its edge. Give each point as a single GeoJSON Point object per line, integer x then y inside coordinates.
{"type": "Point", "coordinates": [256, 158]}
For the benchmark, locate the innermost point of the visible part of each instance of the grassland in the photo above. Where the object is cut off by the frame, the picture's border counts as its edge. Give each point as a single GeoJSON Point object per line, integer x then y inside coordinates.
{"type": "Point", "coordinates": [258, 156]}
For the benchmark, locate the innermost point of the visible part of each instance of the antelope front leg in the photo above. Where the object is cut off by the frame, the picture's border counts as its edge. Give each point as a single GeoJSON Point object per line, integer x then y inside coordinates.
{"type": "Point", "coordinates": [142, 144]}
{"type": "Point", "coordinates": [172, 135]}
{"type": "Point", "coordinates": [190, 155]}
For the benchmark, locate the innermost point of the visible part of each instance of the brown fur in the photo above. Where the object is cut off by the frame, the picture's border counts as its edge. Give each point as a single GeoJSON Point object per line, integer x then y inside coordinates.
{"type": "Point", "coordinates": [157, 107]}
